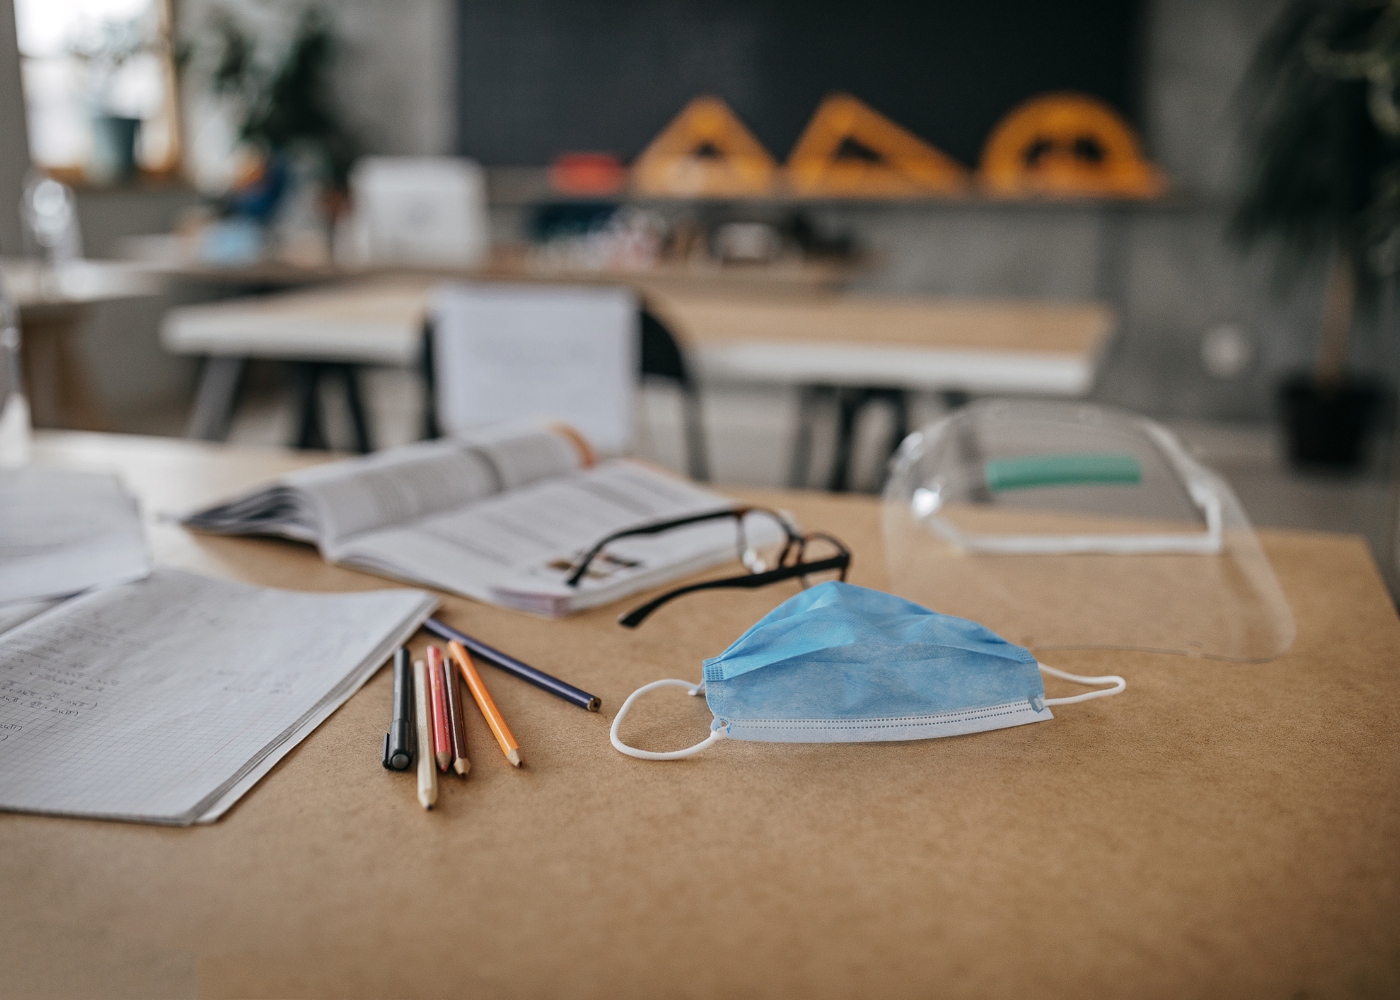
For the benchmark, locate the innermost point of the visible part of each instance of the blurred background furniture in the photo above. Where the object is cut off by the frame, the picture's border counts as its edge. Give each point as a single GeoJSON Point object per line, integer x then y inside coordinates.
{"type": "Point", "coordinates": [54, 303]}
{"type": "Point", "coordinates": [520, 351]}
{"type": "Point", "coordinates": [850, 351]}
{"type": "Point", "coordinates": [419, 210]}
{"type": "Point", "coordinates": [1202, 339]}
{"type": "Point", "coordinates": [845, 350]}
{"type": "Point", "coordinates": [315, 333]}
{"type": "Point", "coordinates": [334, 331]}
{"type": "Point", "coordinates": [657, 356]}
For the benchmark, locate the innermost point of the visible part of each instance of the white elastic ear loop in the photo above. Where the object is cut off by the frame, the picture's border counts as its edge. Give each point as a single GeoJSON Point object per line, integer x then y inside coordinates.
{"type": "Point", "coordinates": [692, 689]}
{"type": "Point", "coordinates": [1117, 685]}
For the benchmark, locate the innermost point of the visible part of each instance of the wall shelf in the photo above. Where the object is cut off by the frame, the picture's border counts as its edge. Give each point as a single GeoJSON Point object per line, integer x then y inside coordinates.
{"type": "Point", "coordinates": [528, 187]}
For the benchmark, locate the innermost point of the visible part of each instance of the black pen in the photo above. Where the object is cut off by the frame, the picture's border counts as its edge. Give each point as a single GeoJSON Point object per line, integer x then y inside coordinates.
{"type": "Point", "coordinates": [398, 741]}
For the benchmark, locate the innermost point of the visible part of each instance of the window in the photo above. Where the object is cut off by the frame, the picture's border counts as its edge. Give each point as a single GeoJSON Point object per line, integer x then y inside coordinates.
{"type": "Point", "coordinates": [93, 69]}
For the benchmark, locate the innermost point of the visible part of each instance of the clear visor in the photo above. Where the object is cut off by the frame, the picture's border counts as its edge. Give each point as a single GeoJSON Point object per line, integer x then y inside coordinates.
{"type": "Point", "coordinates": [1063, 525]}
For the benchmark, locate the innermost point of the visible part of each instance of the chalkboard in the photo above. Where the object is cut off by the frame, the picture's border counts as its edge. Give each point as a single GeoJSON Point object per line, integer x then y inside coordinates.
{"type": "Point", "coordinates": [536, 78]}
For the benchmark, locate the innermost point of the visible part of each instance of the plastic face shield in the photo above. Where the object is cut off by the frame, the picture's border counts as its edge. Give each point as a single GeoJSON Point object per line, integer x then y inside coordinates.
{"type": "Point", "coordinates": [1070, 526]}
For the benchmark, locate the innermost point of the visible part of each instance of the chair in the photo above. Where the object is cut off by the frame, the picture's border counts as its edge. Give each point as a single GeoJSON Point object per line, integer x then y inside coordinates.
{"type": "Point", "coordinates": [850, 402]}
{"type": "Point", "coordinates": [608, 316]}
{"type": "Point", "coordinates": [662, 357]}
{"type": "Point", "coordinates": [420, 211]}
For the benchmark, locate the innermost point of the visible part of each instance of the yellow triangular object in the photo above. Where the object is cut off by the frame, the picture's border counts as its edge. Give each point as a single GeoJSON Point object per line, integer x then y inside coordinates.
{"type": "Point", "coordinates": [849, 148]}
{"type": "Point", "coordinates": [706, 150]}
{"type": "Point", "coordinates": [1067, 145]}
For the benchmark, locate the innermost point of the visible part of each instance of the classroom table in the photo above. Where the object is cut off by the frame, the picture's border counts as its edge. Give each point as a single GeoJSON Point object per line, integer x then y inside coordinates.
{"type": "Point", "coordinates": [911, 342]}
{"type": "Point", "coordinates": [54, 304]}
{"type": "Point", "coordinates": [1218, 830]}
{"type": "Point", "coordinates": [835, 348]}
{"type": "Point", "coordinates": [851, 350]}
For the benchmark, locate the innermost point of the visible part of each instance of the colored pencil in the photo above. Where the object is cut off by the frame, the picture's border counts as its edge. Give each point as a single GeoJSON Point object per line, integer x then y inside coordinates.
{"type": "Point", "coordinates": [427, 777]}
{"type": "Point", "coordinates": [484, 701]}
{"type": "Point", "coordinates": [442, 732]}
{"type": "Point", "coordinates": [537, 677]}
{"type": "Point", "coordinates": [457, 718]}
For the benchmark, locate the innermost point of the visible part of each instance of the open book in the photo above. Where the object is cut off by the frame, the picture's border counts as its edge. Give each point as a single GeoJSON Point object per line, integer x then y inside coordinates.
{"type": "Point", "coordinates": [499, 516]}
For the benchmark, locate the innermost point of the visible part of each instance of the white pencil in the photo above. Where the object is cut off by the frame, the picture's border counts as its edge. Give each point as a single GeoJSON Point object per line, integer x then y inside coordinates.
{"type": "Point", "coordinates": [427, 775]}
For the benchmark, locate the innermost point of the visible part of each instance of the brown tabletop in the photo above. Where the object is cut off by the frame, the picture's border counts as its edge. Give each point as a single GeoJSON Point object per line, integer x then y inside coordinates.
{"type": "Point", "coordinates": [1217, 830]}
{"type": "Point", "coordinates": [910, 342]}
{"type": "Point", "coordinates": [1036, 327]}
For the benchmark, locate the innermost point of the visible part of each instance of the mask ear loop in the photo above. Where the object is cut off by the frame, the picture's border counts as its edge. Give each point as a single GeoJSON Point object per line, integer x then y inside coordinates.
{"type": "Point", "coordinates": [1117, 685]}
{"type": "Point", "coordinates": [693, 690]}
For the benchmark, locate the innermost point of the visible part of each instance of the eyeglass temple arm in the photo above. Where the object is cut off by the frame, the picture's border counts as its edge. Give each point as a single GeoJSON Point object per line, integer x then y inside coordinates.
{"type": "Point", "coordinates": [750, 581]}
{"type": "Point", "coordinates": [582, 565]}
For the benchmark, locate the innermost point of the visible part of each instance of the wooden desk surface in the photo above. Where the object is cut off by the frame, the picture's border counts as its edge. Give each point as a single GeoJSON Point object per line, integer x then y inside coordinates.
{"type": "Point", "coordinates": [1217, 830]}
{"type": "Point", "coordinates": [376, 320]}
{"type": "Point", "coordinates": [921, 343]}
{"type": "Point", "coordinates": [1036, 327]}
{"type": "Point", "coordinates": [806, 337]}
{"type": "Point", "coordinates": [718, 317]}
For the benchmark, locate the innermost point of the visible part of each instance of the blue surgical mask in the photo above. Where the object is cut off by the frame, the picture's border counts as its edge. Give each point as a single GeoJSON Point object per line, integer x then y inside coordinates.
{"type": "Point", "coordinates": [843, 664]}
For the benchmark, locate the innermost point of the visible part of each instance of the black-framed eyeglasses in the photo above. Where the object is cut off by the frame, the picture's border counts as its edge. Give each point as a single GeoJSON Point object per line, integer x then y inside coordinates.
{"type": "Point", "coordinates": [796, 556]}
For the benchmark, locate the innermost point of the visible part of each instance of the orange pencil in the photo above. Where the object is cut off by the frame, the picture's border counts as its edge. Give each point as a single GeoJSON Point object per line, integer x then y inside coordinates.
{"type": "Point", "coordinates": [494, 719]}
{"type": "Point", "coordinates": [442, 733]}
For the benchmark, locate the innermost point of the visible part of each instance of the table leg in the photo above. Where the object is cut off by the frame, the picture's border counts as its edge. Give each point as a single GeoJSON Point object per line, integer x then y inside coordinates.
{"type": "Point", "coordinates": [431, 430]}
{"type": "Point", "coordinates": [809, 397]}
{"type": "Point", "coordinates": [305, 379]}
{"type": "Point", "coordinates": [211, 417]}
{"type": "Point", "coordinates": [851, 402]}
{"type": "Point", "coordinates": [899, 402]}
{"type": "Point", "coordinates": [693, 416]}
{"type": "Point", "coordinates": [355, 403]}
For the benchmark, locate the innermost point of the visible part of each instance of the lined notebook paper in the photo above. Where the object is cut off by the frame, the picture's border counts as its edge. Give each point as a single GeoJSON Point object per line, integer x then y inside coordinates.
{"type": "Point", "coordinates": [165, 700]}
{"type": "Point", "coordinates": [62, 532]}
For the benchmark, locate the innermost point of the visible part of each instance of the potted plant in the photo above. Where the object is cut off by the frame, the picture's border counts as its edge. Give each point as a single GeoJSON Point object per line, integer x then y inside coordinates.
{"type": "Point", "coordinates": [289, 130]}
{"type": "Point", "coordinates": [1322, 184]}
{"type": "Point", "coordinates": [107, 48]}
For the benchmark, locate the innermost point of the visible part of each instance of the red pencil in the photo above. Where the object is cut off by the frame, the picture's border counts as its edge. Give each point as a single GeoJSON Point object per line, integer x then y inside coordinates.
{"type": "Point", "coordinates": [442, 733]}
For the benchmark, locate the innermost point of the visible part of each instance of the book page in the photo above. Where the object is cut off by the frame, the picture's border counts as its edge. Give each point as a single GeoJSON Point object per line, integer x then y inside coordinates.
{"type": "Point", "coordinates": [12, 615]}
{"type": "Point", "coordinates": [328, 504]}
{"type": "Point", "coordinates": [523, 542]}
{"type": "Point", "coordinates": [62, 532]}
{"type": "Point", "coordinates": [153, 700]}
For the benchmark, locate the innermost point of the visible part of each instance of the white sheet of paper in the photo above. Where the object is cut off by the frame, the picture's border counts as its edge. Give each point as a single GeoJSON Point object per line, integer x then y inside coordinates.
{"type": "Point", "coordinates": [517, 352]}
{"type": "Point", "coordinates": [62, 532]}
{"type": "Point", "coordinates": [166, 699]}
